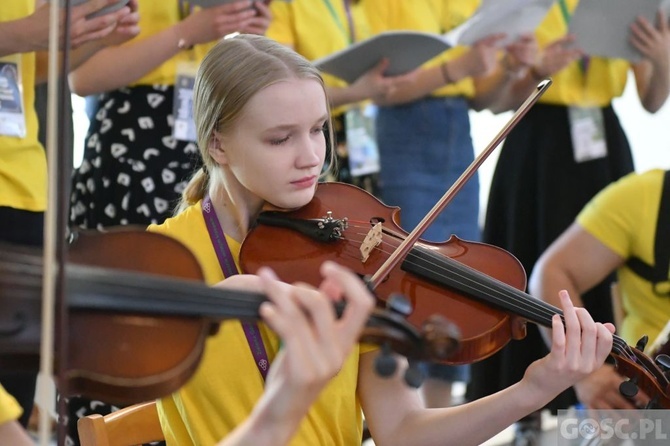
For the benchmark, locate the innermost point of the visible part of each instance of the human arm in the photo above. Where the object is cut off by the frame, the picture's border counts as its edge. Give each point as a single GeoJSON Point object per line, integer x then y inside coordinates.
{"type": "Point", "coordinates": [577, 261]}
{"type": "Point", "coordinates": [371, 85]}
{"type": "Point", "coordinates": [395, 416]}
{"type": "Point", "coordinates": [124, 26]}
{"type": "Point", "coordinates": [12, 433]}
{"type": "Point", "coordinates": [479, 60]}
{"type": "Point", "coordinates": [118, 66]}
{"type": "Point", "coordinates": [31, 33]}
{"type": "Point", "coordinates": [652, 74]}
{"type": "Point", "coordinates": [315, 344]}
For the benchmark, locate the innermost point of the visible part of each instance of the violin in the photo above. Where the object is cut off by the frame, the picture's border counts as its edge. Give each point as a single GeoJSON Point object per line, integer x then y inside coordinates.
{"type": "Point", "coordinates": [477, 286]}
{"type": "Point", "coordinates": [135, 334]}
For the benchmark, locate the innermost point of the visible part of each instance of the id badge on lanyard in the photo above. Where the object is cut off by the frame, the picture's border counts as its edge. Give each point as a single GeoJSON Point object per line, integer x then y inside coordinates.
{"type": "Point", "coordinates": [12, 111]}
{"type": "Point", "coordinates": [587, 128]}
{"type": "Point", "coordinates": [362, 147]}
{"type": "Point", "coordinates": [182, 106]}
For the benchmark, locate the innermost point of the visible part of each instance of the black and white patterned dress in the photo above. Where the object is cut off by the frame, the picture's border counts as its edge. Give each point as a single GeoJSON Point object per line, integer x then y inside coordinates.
{"type": "Point", "coordinates": [133, 170]}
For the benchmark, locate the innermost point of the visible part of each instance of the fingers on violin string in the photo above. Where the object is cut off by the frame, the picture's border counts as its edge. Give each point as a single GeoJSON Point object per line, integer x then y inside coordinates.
{"type": "Point", "coordinates": [360, 301]}
{"type": "Point", "coordinates": [605, 340]}
{"type": "Point", "coordinates": [557, 336]}
{"type": "Point", "coordinates": [589, 338]}
{"type": "Point", "coordinates": [572, 329]}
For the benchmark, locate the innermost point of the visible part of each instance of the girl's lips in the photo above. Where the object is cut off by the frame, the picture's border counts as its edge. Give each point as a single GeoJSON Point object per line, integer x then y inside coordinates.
{"type": "Point", "coordinates": [305, 182]}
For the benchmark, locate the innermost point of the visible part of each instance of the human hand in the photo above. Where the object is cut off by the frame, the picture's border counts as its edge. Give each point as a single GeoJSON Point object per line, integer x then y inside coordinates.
{"type": "Point", "coordinates": [482, 57]}
{"type": "Point", "coordinates": [374, 85]}
{"type": "Point", "coordinates": [260, 22]}
{"type": "Point", "coordinates": [578, 349]}
{"type": "Point", "coordinates": [82, 29]}
{"type": "Point", "coordinates": [600, 390]}
{"type": "Point", "coordinates": [520, 55]}
{"type": "Point", "coordinates": [556, 56]}
{"type": "Point", "coordinates": [126, 28]}
{"type": "Point", "coordinates": [315, 342]}
{"type": "Point", "coordinates": [652, 42]}
{"type": "Point", "coordinates": [209, 24]}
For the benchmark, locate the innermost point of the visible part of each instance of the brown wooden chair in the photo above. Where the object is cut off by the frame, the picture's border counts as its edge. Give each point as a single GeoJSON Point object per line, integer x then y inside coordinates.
{"type": "Point", "coordinates": [133, 425]}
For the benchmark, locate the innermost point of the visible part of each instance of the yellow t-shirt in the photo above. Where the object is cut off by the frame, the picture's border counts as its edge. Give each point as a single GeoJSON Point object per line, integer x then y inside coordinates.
{"type": "Point", "coordinates": [317, 28]}
{"type": "Point", "coordinates": [9, 408]}
{"type": "Point", "coordinates": [23, 168]}
{"type": "Point", "coordinates": [603, 80]}
{"type": "Point", "coordinates": [623, 217]}
{"type": "Point", "coordinates": [155, 16]}
{"type": "Point", "coordinates": [430, 16]}
{"type": "Point", "coordinates": [227, 384]}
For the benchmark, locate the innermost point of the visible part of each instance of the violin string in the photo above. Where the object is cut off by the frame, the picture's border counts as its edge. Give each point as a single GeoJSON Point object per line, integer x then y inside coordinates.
{"type": "Point", "coordinates": [496, 289]}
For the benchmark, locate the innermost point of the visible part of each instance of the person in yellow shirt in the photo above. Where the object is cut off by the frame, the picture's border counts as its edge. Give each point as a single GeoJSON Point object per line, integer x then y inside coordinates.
{"type": "Point", "coordinates": [423, 131]}
{"type": "Point", "coordinates": [24, 39]}
{"type": "Point", "coordinates": [316, 29]}
{"type": "Point", "coordinates": [261, 111]}
{"type": "Point", "coordinates": [566, 149]}
{"type": "Point", "coordinates": [11, 432]}
{"type": "Point", "coordinates": [621, 229]}
{"type": "Point", "coordinates": [140, 147]}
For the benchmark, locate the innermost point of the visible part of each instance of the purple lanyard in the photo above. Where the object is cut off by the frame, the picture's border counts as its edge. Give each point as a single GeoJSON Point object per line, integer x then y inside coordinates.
{"type": "Point", "coordinates": [228, 267]}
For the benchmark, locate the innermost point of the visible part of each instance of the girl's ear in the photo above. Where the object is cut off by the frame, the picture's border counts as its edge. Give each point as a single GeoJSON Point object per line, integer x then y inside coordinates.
{"type": "Point", "coordinates": [216, 150]}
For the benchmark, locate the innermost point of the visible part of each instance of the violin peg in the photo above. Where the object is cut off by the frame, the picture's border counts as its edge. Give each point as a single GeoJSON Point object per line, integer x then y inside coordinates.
{"type": "Point", "coordinates": [629, 388]}
{"type": "Point", "coordinates": [642, 343]}
{"type": "Point", "coordinates": [414, 376]}
{"type": "Point", "coordinates": [399, 304]}
{"type": "Point", "coordinates": [385, 363]}
{"type": "Point", "coordinates": [663, 361]}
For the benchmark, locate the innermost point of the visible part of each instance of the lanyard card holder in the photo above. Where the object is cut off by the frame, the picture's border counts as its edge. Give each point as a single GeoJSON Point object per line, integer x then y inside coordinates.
{"type": "Point", "coordinates": [12, 111]}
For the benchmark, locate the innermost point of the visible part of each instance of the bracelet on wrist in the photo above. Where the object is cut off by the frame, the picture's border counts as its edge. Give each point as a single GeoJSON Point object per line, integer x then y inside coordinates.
{"type": "Point", "coordinates": [445, 74]}
{"type": "Point", "coordinates": [182, 44]}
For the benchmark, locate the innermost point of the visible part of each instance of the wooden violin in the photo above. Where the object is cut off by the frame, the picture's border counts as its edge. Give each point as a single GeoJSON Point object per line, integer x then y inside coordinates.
{"type": "Point", "coordinates": [477, 286]}
{"type": "Point", "coordinates": [135, 334]}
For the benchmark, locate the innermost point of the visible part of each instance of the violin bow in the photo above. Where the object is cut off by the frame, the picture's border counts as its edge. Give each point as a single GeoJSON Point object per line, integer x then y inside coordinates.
{"type": "Point", "coordinates": [55, 220]}
{"type": "Point", "coordinates": [409, 241]}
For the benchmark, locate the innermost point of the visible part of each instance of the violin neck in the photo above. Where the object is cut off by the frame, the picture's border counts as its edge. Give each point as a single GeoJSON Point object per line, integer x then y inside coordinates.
{"type": "Point", "coordinates": [91, 288]}
{"type": "Point", "coordinates": [452, 274]}
{"type": "Point", "coordinates": [484, 288]}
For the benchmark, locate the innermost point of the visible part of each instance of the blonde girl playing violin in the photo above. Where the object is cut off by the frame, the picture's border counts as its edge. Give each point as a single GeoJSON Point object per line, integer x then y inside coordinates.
{"type": "Point", "coordinates": [261, 114]}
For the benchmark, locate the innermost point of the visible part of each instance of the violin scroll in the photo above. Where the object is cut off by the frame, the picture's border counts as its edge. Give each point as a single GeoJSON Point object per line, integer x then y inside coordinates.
{"type": "Point", "coordinates": [644, 373]}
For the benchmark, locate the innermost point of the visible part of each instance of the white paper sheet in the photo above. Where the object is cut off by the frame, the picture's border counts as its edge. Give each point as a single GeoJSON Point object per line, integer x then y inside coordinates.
{"type": "Point", "coordinates": [602, 27]}
{"type": "Point", "coordinates": [511, 17]}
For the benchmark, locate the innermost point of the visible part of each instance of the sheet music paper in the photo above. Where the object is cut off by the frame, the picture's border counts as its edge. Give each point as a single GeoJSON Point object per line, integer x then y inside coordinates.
{"type": "Point", "coordinates": [602, 27]}
{"type": "Point", "coordinates": [512, 17]}
{"type": "Point", "coordinates": [405, 50]}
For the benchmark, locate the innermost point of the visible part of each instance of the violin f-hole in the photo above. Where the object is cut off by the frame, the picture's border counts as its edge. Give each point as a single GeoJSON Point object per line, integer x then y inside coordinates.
{"type": "Point", "coordinates": [15, 326]}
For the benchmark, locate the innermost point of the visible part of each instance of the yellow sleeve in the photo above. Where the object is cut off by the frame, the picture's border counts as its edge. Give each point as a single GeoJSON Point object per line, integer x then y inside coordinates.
{"type": "Point", "coordinates": [281, 27]}
{"type": "Point", "coordinates": [9, 408]}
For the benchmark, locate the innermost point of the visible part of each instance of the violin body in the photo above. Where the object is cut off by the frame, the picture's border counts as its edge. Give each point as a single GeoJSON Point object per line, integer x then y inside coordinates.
{"type": "Point", "coordinates": [296, 257]}
{"type": "Point", "coordinates": [122, 357]}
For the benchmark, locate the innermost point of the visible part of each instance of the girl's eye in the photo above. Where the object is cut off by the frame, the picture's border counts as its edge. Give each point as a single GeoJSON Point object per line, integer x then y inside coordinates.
{"type": "Point", "coordinates": [276, 142]}
{"type": "Point", "coordinates": [321, 129]}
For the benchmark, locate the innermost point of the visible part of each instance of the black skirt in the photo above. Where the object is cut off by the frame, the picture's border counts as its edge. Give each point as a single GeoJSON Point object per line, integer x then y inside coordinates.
{"type": "Point", "coordinates": [133, 171]}
{"type": "Point", "coordinates": [537, 191]}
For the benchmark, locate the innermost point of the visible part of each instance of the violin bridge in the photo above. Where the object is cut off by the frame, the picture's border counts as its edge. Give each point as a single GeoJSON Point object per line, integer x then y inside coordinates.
{"type": "Point", "coordinates": [372, 239]}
